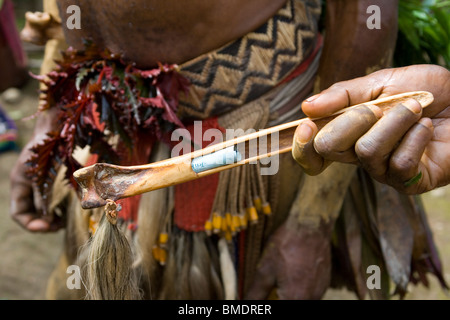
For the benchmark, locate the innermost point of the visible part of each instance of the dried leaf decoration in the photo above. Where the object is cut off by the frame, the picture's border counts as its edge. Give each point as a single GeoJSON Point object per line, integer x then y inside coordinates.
{"type": "Point", "coordinates": [99, 96]}
{"type": "Point", "coordinates": [378, 226]}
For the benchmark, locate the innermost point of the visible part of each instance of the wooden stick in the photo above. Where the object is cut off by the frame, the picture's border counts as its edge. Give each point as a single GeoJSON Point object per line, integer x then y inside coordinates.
{"type": "Point", "coordinates": [101, 181]}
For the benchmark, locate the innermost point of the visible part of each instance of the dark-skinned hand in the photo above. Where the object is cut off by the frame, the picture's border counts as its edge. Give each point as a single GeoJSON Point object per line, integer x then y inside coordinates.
{"type": "Point", "coordinates": [408, 148]}
{"type": "Point", "coordinates": [26, 203]}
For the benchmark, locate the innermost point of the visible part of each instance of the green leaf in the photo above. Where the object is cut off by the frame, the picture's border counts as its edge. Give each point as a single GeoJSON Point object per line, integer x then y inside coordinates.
{"type": "Point", "coordinates": [414, 180]}
{"type": "Point", "coordinates": [425, 25]}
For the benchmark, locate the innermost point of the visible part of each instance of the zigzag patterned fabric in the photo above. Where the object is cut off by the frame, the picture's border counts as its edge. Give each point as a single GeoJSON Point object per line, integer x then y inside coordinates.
{"type": "Point", "coordinates": [243, 70]}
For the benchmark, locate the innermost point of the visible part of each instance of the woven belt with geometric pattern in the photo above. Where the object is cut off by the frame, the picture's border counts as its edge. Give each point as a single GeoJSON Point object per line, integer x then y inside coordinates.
{"type": "Point", "coordinates": [248, 67]}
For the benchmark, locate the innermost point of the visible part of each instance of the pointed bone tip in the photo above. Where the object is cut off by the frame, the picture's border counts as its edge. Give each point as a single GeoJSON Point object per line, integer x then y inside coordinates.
{"type": "Point", "coordinates": [427, 98]}
{"type": "Point", "coordinates": [93, 203]}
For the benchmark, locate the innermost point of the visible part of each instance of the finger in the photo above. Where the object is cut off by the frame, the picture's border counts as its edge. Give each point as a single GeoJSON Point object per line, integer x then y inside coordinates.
{"type": "Point", "coordinates": [27, 218]}
{"type": "Point", "coordinates": [31, 222]}
{"type": "Point", "coordinates": [39, 202]}
{"type": "Point", "coordinates": [405, 161]}
{"type": "Point", "coordinates": [21, 203]}
{"type": "Point", "coordinates": [303, 149]}
{"type": "Point", "coordinates": [375, 147]}
{"type": "Point", "coordinates": [22, 208]}
{"type": "Point", "coordinates": [38, 18]}
{"type": "Point", "coordinates": [35, 223]}
{"type": "Point", "coordinates": [39, 225]}
{"type": "Point", "coordinates": [336, 140]}
{"type": "Point", "coordinates": [47, 223]}
{"type": "Point", "coordinates": [344, 94]}
{"type": "Point", "coordinates": [22, 211]}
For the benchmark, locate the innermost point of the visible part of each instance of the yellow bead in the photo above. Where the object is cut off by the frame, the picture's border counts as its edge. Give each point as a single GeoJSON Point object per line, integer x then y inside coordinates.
{"type": "Point", "coordinates": [257, 203]}
{"type": "Point", "coordinates": [229, 220]}
{"type": "Point", "coordinates": [267, 210]}
{"type": "Point", "coordinates": [162, 256]}
{"type": "Point", "coordinates": [156, 253]}
{"type": "Point", "coordinates": [224, 225]}
{"type": "Point", "coordinates": [217, 221]}
{"type": "Point", "coordinates": [92, 225]}
{"type": "Point", "coordinates": [163, 238]}
{"type": "Point", "coordinates": [253, 215]}
{"type": "Point", "coordinates": [228, 235]}
{"type": "Point", "coordinates": [236, 225]}
{"type": "Point", "coordinates": [208, 227]}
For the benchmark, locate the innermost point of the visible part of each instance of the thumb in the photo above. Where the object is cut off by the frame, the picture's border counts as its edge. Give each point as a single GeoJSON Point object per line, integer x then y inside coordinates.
{"type": "Point", "coordinates": [345, 94]}
{"type": "Point", "coordinates": [303, 150]}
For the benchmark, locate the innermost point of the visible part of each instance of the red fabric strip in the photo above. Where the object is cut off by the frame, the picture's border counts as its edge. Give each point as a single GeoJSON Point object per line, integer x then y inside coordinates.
{"type": "Point", "coordinates": [194, 199]}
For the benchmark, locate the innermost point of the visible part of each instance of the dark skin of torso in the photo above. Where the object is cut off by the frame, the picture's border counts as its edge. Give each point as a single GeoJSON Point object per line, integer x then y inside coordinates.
{"type": "Point", "coordinates": [151, 31]}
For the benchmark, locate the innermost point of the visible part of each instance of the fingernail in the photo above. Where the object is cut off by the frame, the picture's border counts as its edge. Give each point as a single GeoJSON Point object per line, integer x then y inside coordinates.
{"type": "Point", "coordinates": [413, 105]}
{"type": "Point", "coordinates": [304, 134]}
{"type": "Point", "coordinates": [376, 110]}
{"type": "Point", "coordinates": [427, 123]}
{"type": "Point", "coordinates": [312, 98]}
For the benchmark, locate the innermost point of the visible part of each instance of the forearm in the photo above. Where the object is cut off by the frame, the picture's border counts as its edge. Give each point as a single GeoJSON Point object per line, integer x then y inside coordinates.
{"type": "Point", "coordinates": [351, 49]}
